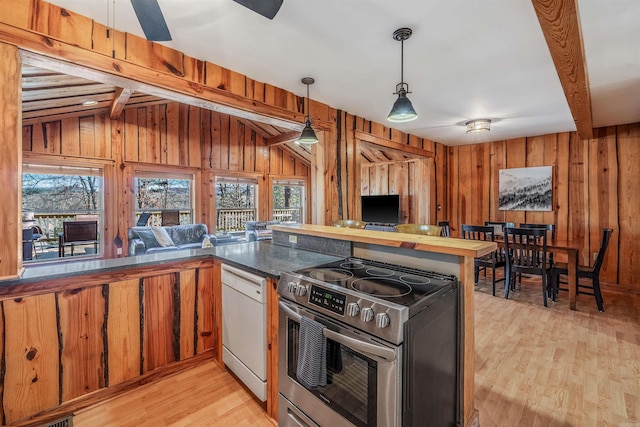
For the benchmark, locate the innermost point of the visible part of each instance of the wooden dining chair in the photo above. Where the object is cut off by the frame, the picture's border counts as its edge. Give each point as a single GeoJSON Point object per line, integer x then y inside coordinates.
{"type": "Point", "coordinates": [425, 229]}
{"type": "Point", "coordinates": [446, 230]}
{"type": "Point", "coordinates": [526, 252]}
{"type": "Point", "coordinates": [585, 272]}
{"type": "Point", "coordinates": [499, 226]}
{"type": "Point", "coordinates": [493, 260]}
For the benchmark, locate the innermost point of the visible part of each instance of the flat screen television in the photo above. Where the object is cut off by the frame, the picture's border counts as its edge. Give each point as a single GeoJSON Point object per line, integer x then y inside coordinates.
{"type": "Point", "coordinates": [383, 209]}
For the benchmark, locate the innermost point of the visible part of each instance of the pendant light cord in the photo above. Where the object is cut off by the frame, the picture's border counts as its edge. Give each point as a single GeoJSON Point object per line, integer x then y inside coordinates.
{"type": "Point", "coordinates": [308, 115]}
{"type": "Point", "coordinates": [402, 63]}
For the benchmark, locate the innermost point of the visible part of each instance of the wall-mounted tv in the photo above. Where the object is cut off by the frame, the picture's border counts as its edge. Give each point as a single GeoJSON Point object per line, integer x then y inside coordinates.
{"type": "Point", "coordinates": [382, 209]}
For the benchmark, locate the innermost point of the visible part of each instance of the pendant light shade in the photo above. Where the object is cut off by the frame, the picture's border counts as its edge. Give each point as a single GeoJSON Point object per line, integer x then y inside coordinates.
{"type": "Point", "coordinates": [402, 110]}
{"type": "Point", "coordinates": [308, 135]}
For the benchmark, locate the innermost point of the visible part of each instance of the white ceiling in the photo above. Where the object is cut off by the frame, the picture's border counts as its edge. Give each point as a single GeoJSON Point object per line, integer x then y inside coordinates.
{"type": "Point", "coordinates": [466, 59]}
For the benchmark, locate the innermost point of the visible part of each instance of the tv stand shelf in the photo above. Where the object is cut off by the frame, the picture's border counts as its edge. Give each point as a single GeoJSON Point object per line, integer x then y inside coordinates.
{"type": "Point", "coordinates": [377, 226]}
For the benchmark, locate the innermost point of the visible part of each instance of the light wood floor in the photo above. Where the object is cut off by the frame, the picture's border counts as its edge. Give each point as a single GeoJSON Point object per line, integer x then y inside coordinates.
{"type": "Point", "coordinates": [534, 367]}
{"type": "Point", "coordinates": [203, 396]}
{"type": "Point", "coordinates": [538, 366]}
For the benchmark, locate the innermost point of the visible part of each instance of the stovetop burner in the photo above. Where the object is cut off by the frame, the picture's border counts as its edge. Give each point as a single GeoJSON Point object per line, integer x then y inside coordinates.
{"type": "Point", "coordinates": [400, 285]}
{"type": "Point", "coordinates": [332, 275]}
{"type": "Point", "coordinates": [381, 287]}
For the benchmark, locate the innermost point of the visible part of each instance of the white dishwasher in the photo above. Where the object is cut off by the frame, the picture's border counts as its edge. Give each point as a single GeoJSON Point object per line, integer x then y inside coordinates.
{"type": "Point", "coordinates": [244, 339]}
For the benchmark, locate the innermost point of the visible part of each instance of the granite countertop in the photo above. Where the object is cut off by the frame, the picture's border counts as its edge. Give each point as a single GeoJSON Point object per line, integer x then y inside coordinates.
{"type": "Point", "coordinates": [259, 257]}
{"type": "Point", "coordinates": [269, 259]}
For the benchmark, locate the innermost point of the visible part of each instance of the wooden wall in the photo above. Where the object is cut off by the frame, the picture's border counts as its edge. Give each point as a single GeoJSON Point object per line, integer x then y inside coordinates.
{"type": "Point", "coordinates": [341, 177]}
{"type": "Point", "coordinates": [595, 186]}
{"type": "Point", "coordinates": [169, 136]}
{"type": "Point", "coordinates": [60, 345]}
{"type": "Point", "coordinates": [407, 179]}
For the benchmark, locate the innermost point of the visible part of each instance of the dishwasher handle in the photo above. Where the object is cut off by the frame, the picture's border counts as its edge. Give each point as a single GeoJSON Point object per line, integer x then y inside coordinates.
{"type": "Point", "coordinates": [244, 282]}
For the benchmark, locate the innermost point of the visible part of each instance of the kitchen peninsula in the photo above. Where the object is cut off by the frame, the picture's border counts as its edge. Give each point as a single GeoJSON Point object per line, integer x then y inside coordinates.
{"type": "Point", "coordinates": [90, 330]}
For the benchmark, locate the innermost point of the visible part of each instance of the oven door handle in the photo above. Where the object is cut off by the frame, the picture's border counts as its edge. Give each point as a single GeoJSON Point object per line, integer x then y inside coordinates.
{"type": "Point", "coordinates": [363, 347]}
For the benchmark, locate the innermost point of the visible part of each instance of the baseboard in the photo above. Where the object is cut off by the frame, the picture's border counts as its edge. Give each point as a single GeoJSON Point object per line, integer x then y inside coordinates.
{"type": "Point", "coordinates": [102, 395]}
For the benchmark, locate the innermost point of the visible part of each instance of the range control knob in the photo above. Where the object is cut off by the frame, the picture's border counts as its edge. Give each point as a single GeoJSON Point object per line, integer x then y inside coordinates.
{"type": "Point", "coordinates": [367, 314]}
{"type": "Point", "coordinates": [353, 309]}
{"type": "Point", "coordinates": [382, 320]}
{"type": "Point", "coordinates": [301, 290]}
{"type": "Point", "coordinates": [292, 286]}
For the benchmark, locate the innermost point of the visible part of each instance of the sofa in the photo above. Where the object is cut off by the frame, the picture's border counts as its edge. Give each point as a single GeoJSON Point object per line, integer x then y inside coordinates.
{"type": "Point", "coordinates": [149, 240]}
{"type": "Point", "coordinates": [258, 230]}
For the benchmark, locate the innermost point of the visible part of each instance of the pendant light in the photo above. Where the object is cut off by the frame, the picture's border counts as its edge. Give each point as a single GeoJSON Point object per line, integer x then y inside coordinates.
{"type": "Point", "coordinates": [308, 135]}
{"type": "Point", "coordinates": [402, 110]}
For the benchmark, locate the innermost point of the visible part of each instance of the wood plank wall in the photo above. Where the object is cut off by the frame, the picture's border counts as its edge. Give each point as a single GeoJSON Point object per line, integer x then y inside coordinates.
{"type": "Point", "coordinates": [595, 186]}
{"type": "Point", "coordinates": [171, 135]}
{"type": "Point", "coordinates": [60, 345]}
{"type": "Point", "coordinates": [342, 162]}
{"type": "Point", "coordinates": [407, 179]}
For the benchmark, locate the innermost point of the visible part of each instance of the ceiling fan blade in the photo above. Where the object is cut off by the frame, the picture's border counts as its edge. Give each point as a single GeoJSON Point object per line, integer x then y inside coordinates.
{"type": "Point", "coordinates": [151, 20]}
{"type": "Point", "coordinates": [266, 8]}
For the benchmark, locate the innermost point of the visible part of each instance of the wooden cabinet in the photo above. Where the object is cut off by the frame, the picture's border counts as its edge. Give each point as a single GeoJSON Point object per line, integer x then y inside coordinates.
{"type": "Point", "coordinates": [67, 340]}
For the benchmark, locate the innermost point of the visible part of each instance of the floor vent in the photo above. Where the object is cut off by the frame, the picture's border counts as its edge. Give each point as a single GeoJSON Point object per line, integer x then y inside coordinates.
{"type": "Point", "coordinates": [64, 422]}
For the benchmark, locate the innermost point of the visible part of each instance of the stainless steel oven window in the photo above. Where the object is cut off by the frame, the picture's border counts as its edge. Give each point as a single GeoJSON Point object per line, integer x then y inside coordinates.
{"type": "Point", "coordinates": [387, 357]}
{"type": "Point", "coordinates": [351, 383]}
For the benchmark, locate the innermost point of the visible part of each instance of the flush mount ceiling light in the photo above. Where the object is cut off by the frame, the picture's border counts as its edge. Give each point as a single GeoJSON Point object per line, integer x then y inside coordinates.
{"type": "Point", "coordinates": [308, 135]}
{"type": "Point", "coordinates": [478, 126]}
{"type": "Point", "coordinates": [402, 110]}
{"type": "Point", "coordinates": [89, 102]}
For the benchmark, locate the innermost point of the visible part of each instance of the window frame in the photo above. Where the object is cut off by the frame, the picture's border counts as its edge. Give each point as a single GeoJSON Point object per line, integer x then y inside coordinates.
{"type": "Point", "coordinates": [52, 165]}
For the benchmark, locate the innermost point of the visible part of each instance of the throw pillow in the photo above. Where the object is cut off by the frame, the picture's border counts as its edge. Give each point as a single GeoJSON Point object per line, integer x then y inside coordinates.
{"type": "Point", "coordinates": [162, 236]}
{"type": "Point", "coordinates": [206, 243]}
{"type": "Point", "coordinates": [148, 238]}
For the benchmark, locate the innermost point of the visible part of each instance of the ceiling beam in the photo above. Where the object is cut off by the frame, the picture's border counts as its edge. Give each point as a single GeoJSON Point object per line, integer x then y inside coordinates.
{"type": "Point", "coordinates": [387, 143]}
{"type": "Point", "coordinates": [283, 138]}
{"type": "Point", "coordinates": [119, 101]}
{"type": "Point", "coordinates": [560, 25]}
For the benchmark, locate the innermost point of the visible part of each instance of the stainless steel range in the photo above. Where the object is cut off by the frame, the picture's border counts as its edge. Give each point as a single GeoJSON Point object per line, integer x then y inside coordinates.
{"type": "Point", "coordinates": [390, 346]}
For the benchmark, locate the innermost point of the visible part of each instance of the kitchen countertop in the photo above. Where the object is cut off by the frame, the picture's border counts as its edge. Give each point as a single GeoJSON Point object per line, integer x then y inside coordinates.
{"type": "Point", "coordinates": [259, 257]}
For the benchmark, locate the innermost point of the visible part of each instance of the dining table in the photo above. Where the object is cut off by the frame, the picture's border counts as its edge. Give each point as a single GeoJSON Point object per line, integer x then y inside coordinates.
{"type": "Point", "coordinates": [569, 247]}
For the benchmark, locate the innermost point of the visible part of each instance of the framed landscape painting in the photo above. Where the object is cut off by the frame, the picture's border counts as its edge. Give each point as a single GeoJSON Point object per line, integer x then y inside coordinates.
{"type": "Point", "coordinates": [525, 189]}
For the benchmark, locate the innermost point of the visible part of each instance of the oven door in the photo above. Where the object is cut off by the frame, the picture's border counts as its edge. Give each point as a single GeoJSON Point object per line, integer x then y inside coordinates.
{"type": "Point", "coordinates": [362, 386]}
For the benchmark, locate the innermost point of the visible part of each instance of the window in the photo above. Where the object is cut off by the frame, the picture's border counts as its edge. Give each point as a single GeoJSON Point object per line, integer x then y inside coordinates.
{"type": "Point", "coordinates": [53, 195]}
{"type": "Point", "coordinates": [288, 201]}
{"type": "Point", "coordinates": [236, 201]}
{"type": "Point", "coordinates": [158, 192]}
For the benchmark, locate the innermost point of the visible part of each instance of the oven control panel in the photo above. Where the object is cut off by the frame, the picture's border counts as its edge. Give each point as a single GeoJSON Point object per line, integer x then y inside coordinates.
{"type": "Point", "coordinates": [328, 299]}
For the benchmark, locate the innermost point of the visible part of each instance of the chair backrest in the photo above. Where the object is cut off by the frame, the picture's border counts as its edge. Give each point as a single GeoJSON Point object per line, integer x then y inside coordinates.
{"type": "Point", "coordinates": [170, 218]}
{"type": "Point", "coordinates": [349, 223]}
{"type": "Point", "coordinates": [604, 243]}
{"type": "Point", "coordinates": [144, 218]}
{"type": "Point", "coordinates": [499, 226]}
{"type": "Point", "coordinates": [549, 227]}
{"type": "Point", "coordinates": [425, 229]}
{"type": "Point", "coordinates": [478, 232]}
{"type": "Point", "coordinates": [79, 231]}
{"type": "Point", "coordinates": [446, 230]}
{"type": "Point", "coordinates": [526, 247]}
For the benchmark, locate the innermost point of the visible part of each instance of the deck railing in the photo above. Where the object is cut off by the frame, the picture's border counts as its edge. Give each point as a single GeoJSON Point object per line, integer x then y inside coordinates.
{"type": "Point", "coordinates": [51, 222]}
{"type": "Point", "coordinates": [288, 215]}
{"type": "Point", "coordinates": [233, 219]}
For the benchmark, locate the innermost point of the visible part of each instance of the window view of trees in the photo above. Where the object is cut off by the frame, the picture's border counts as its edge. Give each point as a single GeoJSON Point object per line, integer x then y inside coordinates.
{"type": "Point", "coordinates": [163, 193]}
{"type": "Point", "coordinates": [235, 205]}
{"type": "Point", "coordinates": [61, 193]}
{"type": "Point", "coordinates": [288, 202]}
{"type": "Point", "coordinates": [234, 195]}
